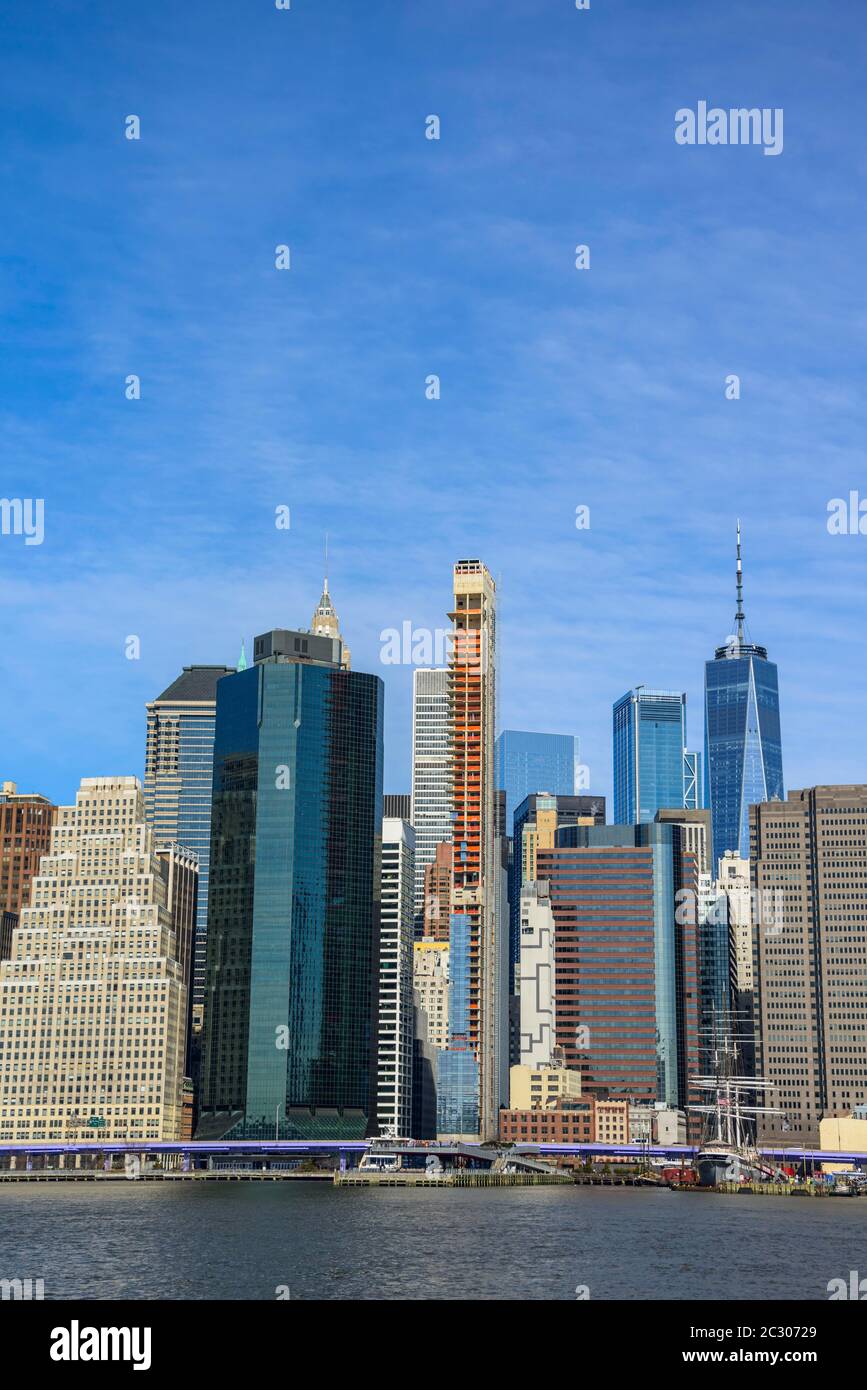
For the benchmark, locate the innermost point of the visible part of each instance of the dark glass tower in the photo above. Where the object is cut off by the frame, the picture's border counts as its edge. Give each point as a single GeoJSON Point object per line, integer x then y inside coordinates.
{"type": "Point", "coordinates": [743, 751]}
{"type": "Point", "coordinates": [293, 916]}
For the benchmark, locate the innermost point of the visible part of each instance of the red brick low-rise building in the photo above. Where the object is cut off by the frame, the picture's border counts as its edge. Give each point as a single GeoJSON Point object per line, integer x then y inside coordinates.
{"type": "Point", "coordinates": [586, 1120]}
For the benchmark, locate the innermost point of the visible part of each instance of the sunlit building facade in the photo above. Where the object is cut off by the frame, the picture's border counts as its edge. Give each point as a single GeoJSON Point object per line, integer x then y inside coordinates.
{"type": "Point", "coordinates": [93, 1002]}
{"type": "Point", "coordinates": [478, 894]}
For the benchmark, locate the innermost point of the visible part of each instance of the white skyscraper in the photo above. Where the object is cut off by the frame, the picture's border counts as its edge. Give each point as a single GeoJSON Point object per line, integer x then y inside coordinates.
{"type": "Point", "coordinates": [395, 1038]}
{"type": "Point", "coordinates": [536, 978]}
{"type": "Point", "coordinates": [93, 1002]}
{"type": "Point", "coordinates": [431, 812]}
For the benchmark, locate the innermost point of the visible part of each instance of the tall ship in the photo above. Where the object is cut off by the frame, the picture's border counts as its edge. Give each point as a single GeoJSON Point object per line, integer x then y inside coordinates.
{"type": "Point", "coordinates": [728, 1151]}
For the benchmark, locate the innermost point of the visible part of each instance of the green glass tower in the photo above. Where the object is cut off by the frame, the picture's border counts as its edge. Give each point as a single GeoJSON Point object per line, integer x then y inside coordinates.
{"type": "Point", "coordinates": [293, 921]}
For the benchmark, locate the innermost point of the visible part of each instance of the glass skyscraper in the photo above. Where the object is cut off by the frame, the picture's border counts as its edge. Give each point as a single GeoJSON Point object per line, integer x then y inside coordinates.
{"type": "Point", "coordinates": [293, 921]}
{"type": "Point", "coordinates": [179, 756]}
{"type": "Point", "coordinates": [457, 1067]}
{"type": "Point", "coordinates": [525, 763]}
{"type": "Point", "coordinates": [743, 749]}
{"type": "Point", "coordinates": [652, 768]}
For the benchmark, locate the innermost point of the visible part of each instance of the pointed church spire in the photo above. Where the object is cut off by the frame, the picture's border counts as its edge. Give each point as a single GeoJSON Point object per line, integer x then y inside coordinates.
{"type": "Point", "coordinates": [242, 659]}
{"type": "Point", "coordinates": [739, 616]}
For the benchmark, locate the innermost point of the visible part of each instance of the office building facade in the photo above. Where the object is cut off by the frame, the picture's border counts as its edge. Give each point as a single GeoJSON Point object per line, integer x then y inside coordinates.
{"type": "Point", "coordinates": [477, 890]}
{"type": "Point", "coordinates": [431, 809]}
{"type": "Point", "coordinates": [536, 821]}
{"type": "Point", "coordinates": [536, 979]}
{"type": "Point", "coordinates": [179, 766]}
{"type": "Point", "coordinates": [26, 821]}
{"type": "Point", "coordinates": [733, 905]}
{"type": "Point", "coordinates": [626, 981]}
{"type": "Point", "coordinates": [652, 766]}
{"type": "Point", "coordinates": [293, 912]}
{"type": "Point", "coordinates": [395, 1031]}
{"type": "Point", "coordinates": [431, 984]}
{"type": "Point", "coordinates": [809, 879]}
{"type": "Point", "coordinates": [457, 1077]}
{"type": "Point", "coordinates": [437, 894]}
{"type": "Point", "coordinates": [93, 1003]}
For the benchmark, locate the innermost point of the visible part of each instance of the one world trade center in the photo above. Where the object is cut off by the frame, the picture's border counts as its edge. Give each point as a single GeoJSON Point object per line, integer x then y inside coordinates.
{"type": "Point", "coordinates": [743, 751]}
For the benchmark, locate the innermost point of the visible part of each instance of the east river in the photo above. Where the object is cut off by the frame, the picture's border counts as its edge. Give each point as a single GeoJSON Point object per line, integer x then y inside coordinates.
{"type": "Point", "coordinates": [304, 1240]}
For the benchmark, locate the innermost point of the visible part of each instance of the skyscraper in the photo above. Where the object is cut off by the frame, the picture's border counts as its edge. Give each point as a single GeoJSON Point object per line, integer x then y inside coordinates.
{"type": "Point", "coordinates": [743, 752]}
{"type": "Point", "coordinates": [537, 968]}
{"type": "Point", "coordinates": [537, 819]}
{"type": "Point", "coordinates": [626, 989]}
{"type": "Point", "coordinates": [457, 1078]}
{"type": "Point", "coordinates": [528, 762]}
{"type": "Point", "coordinates": [809, 871]}
{"type": "Point", "coordinates": [293, 913]}
{"type": "Point", "coordinates": [652, 766]}
{"type": "Point", "coordinates": [431, 811]}
{"type": "Point", "coordinates": [395, 1033]}
{"type": "Point", "coordinates": [179, 758]}
{"type": "Point", "coordinates": [477, 870]}
{"type": "Point", "coordinates": [93, 1004]}
{"type": "Point", "coordinates": [325, 623]}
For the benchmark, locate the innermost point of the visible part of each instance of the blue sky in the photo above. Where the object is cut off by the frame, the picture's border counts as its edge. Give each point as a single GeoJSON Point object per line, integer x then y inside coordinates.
{"type": "Point", "coordinates": [412, 257]}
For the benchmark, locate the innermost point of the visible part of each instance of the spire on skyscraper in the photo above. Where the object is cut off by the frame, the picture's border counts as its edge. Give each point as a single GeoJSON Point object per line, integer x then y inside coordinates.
{"type": "Point", "coordinates": [739, 616]}
{"type": "Point", "coordinates": [325, 622]}
{"type": "Point", "coordinates": [242, 659]}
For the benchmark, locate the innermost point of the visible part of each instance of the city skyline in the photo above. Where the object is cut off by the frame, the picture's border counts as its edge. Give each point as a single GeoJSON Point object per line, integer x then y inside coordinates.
{"type": "Point", "coordinates": [398, 759]}
{"type": "Point", "coordinates": [433, 547]}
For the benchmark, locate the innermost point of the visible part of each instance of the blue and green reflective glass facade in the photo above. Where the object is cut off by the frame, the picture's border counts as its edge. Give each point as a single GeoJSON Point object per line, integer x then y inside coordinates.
{"type": "Point", "coordinates": [457, 1068]}
{"type": "Point", "coordinates": [650, 769]}
{"type": "Point", "coordinates": [526, 762]}
{"type": "Point", "coordinates": [743, 748]}
{"type": "Point", "coordinates": [293, 919]}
